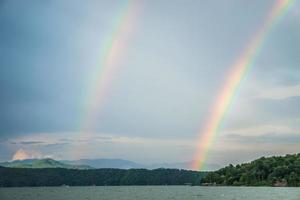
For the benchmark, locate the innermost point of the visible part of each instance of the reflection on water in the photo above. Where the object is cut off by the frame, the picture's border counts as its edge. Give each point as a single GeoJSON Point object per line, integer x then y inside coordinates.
{"type": "Point", "coordinates": [149, 192]}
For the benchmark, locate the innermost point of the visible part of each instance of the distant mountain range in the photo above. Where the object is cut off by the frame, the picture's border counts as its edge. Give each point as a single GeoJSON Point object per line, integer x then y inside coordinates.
{"type": "Point", "coordinates": [95, 163]}
{"type": "Point", "coordinates": [42, 163]}
{"type": "Point", "coordinates": [126, 164]}
{"type": "Point", "coordinates": [105, 163]}
{"type": "Point", "coordinates": [181, 165]}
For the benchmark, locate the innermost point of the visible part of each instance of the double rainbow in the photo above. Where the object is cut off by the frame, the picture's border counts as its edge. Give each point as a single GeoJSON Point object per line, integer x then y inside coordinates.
{"type": "Point", "coordinates": [238, 72]}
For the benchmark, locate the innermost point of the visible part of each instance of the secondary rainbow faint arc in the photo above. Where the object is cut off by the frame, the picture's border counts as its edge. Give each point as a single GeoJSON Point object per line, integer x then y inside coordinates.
{"type": "Point", "coordinates": [232, 83]}
{"type": "Point", "coordinates": [113, 50]}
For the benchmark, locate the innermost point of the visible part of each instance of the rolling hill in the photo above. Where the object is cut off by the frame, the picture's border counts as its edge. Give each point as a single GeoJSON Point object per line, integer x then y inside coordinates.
{"type": "Point", "coordinates": [106, 163]}
{"type": "Point", "coordinates": [42, 163]}
{"type": "Point", "coordinates": [97, 164]}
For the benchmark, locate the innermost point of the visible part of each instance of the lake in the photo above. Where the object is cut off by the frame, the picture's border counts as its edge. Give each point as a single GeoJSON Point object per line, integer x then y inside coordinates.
{"type": "Point", "coordinates": [149, 192]}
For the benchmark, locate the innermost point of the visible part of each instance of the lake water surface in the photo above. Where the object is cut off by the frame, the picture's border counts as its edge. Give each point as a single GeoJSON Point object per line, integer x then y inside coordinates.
{"type": "Point", "coordinates": [149, 192]}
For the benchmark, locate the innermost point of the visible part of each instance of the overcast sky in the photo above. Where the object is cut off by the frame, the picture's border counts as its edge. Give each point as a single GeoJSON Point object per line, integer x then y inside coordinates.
{"type": "Point", "coordinates": [173, 65]}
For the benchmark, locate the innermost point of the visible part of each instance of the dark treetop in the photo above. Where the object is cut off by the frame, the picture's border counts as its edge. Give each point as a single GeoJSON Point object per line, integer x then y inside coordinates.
{"type": "Point", "coordinates": [19, 177]}
{"type": "Point", "coordinates": [272, 171]}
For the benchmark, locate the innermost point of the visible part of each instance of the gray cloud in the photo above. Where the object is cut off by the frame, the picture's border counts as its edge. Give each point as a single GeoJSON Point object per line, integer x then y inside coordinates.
{"type": "Point", "coordinates": [268, 138]}
{"type": "Point", "coordinates": [31, 142]}
{"type": "Point", "coordinates": [55, 145]}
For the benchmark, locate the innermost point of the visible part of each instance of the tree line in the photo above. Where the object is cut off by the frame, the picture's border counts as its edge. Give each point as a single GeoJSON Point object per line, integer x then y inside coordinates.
{"type": "Point", "coordinates": [20, 177]}
{"type": "Point", "coordinates": [271, 171]}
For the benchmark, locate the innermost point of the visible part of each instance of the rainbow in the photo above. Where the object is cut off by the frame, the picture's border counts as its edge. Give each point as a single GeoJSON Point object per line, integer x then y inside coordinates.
{"type": "Point", "coordinates": [232, 84]}
{"type": "Point", "coordinates": [113, 50]}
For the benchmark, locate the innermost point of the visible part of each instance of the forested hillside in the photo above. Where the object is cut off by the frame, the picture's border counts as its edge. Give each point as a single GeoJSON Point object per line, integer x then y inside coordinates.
{"type": "Point", "coordinates": [20, 177]}
{"type": "Point", "coordinates": [271, 171]}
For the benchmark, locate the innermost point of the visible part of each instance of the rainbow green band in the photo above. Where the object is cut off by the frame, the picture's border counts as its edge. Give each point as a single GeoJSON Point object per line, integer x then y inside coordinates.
{"type": "Point", "coordinates": [233, 82]}
{"type": "Point", "coordinates": [109, 65]}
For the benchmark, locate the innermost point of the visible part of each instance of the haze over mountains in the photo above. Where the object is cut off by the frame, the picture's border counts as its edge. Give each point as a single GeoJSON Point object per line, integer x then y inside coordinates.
{"type": "Point", "coordinates": [41, 163]}
{"type": "Point", "coordinates": [95, 163]}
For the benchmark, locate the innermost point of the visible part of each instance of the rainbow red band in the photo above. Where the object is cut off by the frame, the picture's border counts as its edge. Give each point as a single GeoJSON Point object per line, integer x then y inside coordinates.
{"type": "Point", "coordinates": [109, 65]}
{"type": "Point", "coordinates": [238, 72]}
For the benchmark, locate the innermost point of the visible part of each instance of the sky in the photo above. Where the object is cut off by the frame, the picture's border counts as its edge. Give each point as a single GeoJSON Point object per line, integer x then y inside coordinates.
{"type": "Point", "coordinates": [175, 59]}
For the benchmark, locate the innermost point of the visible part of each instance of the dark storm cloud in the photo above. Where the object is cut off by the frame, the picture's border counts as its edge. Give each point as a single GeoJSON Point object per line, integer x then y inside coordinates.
{"type": "Point", "coordinates": [39, 84]}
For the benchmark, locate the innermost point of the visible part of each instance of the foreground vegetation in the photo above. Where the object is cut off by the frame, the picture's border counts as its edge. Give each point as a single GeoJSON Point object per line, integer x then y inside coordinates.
{"type": "Point", "coordinates": [271, 171]}
{"type": "Point", "coordinates": [20, 177]}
